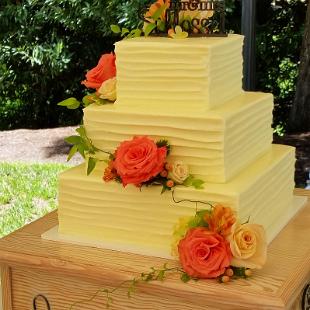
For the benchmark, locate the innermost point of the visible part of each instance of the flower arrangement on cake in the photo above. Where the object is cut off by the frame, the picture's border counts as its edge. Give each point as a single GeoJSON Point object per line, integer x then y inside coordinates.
{"type": "Point", "coordinates": [212, 244]}
{"type": "Point", "coordinates": [143, 162]}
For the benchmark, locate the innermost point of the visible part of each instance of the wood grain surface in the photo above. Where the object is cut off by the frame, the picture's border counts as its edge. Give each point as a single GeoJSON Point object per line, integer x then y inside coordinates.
{"type": "Point", "coordinates": [6, 283]}
{"type": "Point", "coordinates": [67, 273]}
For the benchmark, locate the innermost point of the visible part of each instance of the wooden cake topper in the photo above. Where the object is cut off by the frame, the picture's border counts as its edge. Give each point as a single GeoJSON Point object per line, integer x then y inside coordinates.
{"type": "Point", "coordinates": [196, 17]}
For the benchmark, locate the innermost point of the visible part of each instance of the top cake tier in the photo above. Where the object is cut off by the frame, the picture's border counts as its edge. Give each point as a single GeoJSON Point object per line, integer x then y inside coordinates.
{"type": "Point", "coordinates": [194, 73]}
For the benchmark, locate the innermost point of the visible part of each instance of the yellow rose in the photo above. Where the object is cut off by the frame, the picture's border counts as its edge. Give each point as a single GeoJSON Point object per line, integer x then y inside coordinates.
{"type": "Point", "coordinates": [108, 90]}
{"type": "Point", "coordinates": [248, 246]}
{"type": "Point", "coordinates": [179, 231]}
{"type": "Point", "coordinates": [178, 172]}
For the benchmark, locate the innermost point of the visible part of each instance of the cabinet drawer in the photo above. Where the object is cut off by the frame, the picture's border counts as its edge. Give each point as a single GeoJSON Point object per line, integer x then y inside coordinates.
{"type": "Point", "coordinates": [62, 292]}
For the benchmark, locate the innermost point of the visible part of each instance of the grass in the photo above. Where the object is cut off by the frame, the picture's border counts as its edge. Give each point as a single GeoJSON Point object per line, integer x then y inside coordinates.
{"type": "Point", "coordinates": [27, 192]}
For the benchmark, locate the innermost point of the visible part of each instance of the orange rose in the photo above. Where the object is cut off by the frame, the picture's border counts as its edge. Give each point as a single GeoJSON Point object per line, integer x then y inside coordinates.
{"type": "Point", "coordinates": [155, 6]}
{"type": "Point", "coordinates": [204, 254]}
{"type": "Point", "coordinates": [105, 70]}
{"type": "Point", "coordinates": [220, 220]}
{"type": "Point", "coordinates": [139, 160]}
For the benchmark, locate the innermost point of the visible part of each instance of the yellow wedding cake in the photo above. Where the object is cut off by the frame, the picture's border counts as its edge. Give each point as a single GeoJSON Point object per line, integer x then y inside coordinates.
{"type": "Point", "coordinates": [188, 92]}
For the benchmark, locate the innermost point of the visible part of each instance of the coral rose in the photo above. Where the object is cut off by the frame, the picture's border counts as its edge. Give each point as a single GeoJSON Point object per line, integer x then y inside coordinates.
{"type": "Point", "coordinates": [220, 220]}
{"type": "Point", "coordinates": [104, 70]}
{"type": "Point", "coordinates": [108, 90]}
{"type": "Point", "coordinates": [139, 160]}
{"type": "Point", "coordinates": [204, 254]}
{"type": "Point", "coordinates": [248, 246]}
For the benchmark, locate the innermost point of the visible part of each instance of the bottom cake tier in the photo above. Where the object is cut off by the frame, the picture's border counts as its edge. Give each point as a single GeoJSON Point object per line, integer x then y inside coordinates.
{"type": "Point", "coordinates": [142, 221]}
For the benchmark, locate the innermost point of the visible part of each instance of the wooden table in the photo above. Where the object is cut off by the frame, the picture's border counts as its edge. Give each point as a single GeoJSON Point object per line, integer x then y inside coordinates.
{"type": "Point", "coordinates": [66, 273]}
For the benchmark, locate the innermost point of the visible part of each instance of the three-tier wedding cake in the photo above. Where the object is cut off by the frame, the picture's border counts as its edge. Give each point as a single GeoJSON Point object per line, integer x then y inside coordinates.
{"type": "Point", "coordinates": [189, 92]}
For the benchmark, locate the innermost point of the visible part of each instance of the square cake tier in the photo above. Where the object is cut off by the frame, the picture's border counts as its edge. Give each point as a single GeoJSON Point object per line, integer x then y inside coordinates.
{"type": "Point", "coordinates": [142, 222]}
{"type": "Point", "coordinates": [195, 73]}
{"type": "Point", "coordinates": [216, 144]}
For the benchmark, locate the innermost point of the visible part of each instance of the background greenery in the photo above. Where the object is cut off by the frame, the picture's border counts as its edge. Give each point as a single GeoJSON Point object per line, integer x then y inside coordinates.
{"type": "Point", "coordinates": [26, 193]}
{"type": "Point", "coordinates": [47, 45]}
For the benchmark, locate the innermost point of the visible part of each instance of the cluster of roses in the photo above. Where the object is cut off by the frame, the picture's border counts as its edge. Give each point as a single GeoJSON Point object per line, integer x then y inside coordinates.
{"type": "Point", "coordinates": [103, 78]}
{"type": "Point", "coordinates": [142, 161]}
{"type": "Point", "coordinates": [213, 242]}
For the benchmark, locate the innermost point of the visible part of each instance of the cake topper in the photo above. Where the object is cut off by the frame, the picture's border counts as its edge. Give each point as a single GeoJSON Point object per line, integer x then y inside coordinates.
{"type": "Point", "coordinates": [196, 17]}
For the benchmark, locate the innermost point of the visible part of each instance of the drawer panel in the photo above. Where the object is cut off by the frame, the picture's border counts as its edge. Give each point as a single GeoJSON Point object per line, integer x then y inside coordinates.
{"type": "Point", "coordinates": [62, 292]}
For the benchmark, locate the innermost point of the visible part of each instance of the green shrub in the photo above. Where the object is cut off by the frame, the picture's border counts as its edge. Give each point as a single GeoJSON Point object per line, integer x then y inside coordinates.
{"type": "Point", "coordinates": [47, 45]}
{"type": "Point", "coordinates": [279, 38]}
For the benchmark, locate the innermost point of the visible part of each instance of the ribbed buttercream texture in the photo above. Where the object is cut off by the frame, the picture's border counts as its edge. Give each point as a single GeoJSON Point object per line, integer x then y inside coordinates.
{"type": "Point", "coordinates": [216, 144]}
{"type": "Point", "coordinates": [191, 74]}
{"type": "Point", "coordinates": [145, 220]}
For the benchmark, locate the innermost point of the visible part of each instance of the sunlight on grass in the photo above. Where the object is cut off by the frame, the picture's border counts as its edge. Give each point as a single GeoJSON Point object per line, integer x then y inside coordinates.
{"type": "Point", "coordinates": [27, 192]}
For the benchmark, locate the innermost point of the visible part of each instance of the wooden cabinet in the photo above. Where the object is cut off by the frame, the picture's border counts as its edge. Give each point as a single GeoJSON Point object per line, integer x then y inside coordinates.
{"type": "Point", "coordinates": [61, 274]}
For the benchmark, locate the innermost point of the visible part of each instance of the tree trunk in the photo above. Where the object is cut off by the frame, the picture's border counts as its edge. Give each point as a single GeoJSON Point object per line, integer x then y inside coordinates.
{"type": "Point", "coordinates": [300, 113]}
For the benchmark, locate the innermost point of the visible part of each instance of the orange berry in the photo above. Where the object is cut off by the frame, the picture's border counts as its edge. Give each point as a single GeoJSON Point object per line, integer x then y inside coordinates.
{"type": "Point", "coordinates": [248, 272]}
{"type": "Point", "coordinates": [164, 173]}
{"type": "Point", "coordinates": [229, 272]}
{"type": "Point", "coordinates": [225, 279]}
{"type": "Point", "coordinates": [170, 183]}
{"type": "Point", "coordinates": [168, 167]}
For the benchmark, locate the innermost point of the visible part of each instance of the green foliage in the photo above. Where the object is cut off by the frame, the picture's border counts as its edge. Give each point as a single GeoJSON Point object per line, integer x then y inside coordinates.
{"type": "Point", "coordinates": [279, 38]}
{"type": "Point", "coordinates": [196, 183]}
{"type": "Point", "coordinates": [27, 192]}
{"type": "Point", "coordinates": [83, 145]}
{"type": "Point", "coordinates": [46, 46]}
{"type": "Point", "coordinates": [70, 103]}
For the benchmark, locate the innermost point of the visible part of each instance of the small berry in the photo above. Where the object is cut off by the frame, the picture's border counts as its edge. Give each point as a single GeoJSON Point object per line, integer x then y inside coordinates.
{"type": "Point", "coordinates": [225, 279]}
{"type": "Point", "coordinates": [229, 272]}
{"type": "Point", "coordinates": [248, 272]}
{"type": "Point", "coordinates": [170, 183]}
{"type": "Point", "coordinates": [168, 167]}
{"type": "Point", "coordinates": [164, 173]}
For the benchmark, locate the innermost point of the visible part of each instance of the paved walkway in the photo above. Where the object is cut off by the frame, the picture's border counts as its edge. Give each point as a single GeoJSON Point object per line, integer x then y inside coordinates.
{"type": "Point", "coordinates": [44, 145]}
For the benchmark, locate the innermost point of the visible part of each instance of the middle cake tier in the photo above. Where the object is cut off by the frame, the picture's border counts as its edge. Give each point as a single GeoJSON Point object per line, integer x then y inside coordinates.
{"type": "Point", "coordinates": [216, 144]}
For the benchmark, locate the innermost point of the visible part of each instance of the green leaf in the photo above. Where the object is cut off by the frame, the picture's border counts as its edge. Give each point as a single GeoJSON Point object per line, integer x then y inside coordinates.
{"type": "Point", "coordinates": [70, 103]}
{"type": "Point", "coordinates": [91, 164]}
{"type": "Point", "coordinates": [74, 140]}
{"type": "Point", "coordinates": [148, 29]}
{"type": "Point", "coordinates": [137, 33]}
{"type": "Point", "coordinates": [81, 131]}
{"type": "Point", "coordinates": [185, 277]}
{"type": "Point", "coordinates": [115, 29]}
{"type": "Point", "coordinates": [202, 213]}
{"type": "Point", "coordinates": [74, 106]}
{"type": "Point", "coordinates": [134, 33]}
{"type": "Point", "coordinates": [161, 26]}
{"type": "Point", "coordinates": [72, 152]}
{"type": "Point", "coordinates": [195, 222]}
{"type": "Point", "coordinates": [189, 180]}
{"type": "Point", "coordinates": [197, 183]}
{"type": "Point", "coordinates": [159, 12]}
{"type": "Point", "coordinates": [81, 150]}
{"type": "Point", "coordinates": [87, 100]}
{"type": "Point", "coordinates": [165, 189]}
{"type": "Point", "coordinates": [101, 101]}
{"type": "Point", "coordinates": [124, 31]}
